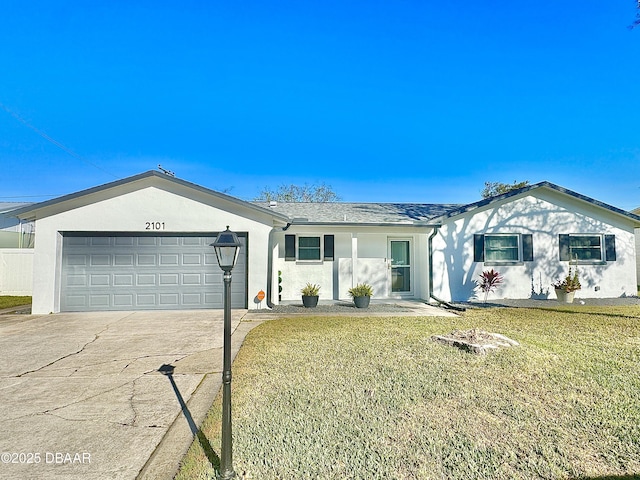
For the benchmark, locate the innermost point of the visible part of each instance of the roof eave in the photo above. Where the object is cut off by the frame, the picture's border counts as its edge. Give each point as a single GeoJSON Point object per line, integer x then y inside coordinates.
{"type": "Point", "coordinates": [548, 185]}
{"type": "Point", "coordinates": [30, 212]}
{"type": "Point", "coordinates": [365, 224]}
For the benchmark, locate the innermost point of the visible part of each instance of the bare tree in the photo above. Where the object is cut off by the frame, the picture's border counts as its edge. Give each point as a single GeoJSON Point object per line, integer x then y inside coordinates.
{"type": "Point", "coordinates": [491, 189]}
{"type": "Point", "coordinates": [637, 20]}
{"type": "Point", "coordinates": [318, 193]}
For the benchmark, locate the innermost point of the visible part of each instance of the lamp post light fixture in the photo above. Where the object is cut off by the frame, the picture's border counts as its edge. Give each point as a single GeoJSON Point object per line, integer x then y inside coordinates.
{"type": "Point", "coordinates": [227, 247]}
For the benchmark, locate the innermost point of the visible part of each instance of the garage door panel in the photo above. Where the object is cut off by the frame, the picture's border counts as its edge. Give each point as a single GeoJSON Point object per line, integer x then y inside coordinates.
{"type": "Point", "coordinates": [123, 300]}
{"type": "Point", "coordinates": [191, 259]}
{"type": "Point", "coordinates": [123, 260]}
{"type": "Point", "coordinates": [80, 260]}
{"type": "Point", "coordinates": [100, 280]}
{"type": "Point", "coordinates": [100, 260]}
{"type": "Point", "coordinates": [146, 280]}
{"type": "Point", "coordinates": [120, 280]}
{"type": "Point", "coordinates": [99, 301]}
{"type": "Point", "coordinates": [124, 241]}
{"type": "Point", "coordinates": [146, 260]}
{"type": "Point", "coordinates": [146, 241]}
{"type": "Point", "coordinates": [146, 272]}
{"type": "Point", "coordinates": [169, 259]}
{"type": "Point", "coordinates": [192, 279]}
{"type": "Point", "coordinates": [99, 241]}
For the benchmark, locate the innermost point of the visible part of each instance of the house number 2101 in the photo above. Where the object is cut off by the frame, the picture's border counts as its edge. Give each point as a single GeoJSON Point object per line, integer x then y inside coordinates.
{"type": "Point", "coordinates": [154, 225]}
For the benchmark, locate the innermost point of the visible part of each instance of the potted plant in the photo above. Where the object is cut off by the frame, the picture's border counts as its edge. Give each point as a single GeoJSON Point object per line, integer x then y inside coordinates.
{"type": "Point", "coordinates": [310, 295]}
{"type": "Point", "coordinates": [361, 295]}
{"type": "Point", "coordinates": [566, 288]}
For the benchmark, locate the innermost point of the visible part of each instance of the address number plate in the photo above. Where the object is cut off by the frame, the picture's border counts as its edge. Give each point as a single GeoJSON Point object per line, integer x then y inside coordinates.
{"type": "Point", "coordinates": [154, 225]}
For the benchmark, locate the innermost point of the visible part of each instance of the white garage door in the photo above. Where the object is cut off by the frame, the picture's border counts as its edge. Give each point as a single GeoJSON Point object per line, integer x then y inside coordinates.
{"type": "Point", "coordinates": [146, 272]}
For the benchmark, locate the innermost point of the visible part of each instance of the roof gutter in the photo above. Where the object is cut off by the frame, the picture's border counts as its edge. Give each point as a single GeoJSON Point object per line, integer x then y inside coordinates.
{"type": "Point", "coordinates": [431, 295]}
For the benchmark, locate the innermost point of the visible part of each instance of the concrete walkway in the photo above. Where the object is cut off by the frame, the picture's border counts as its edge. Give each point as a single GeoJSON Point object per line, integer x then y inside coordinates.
{"type": "Point", "coordinates": [82, 397]}
{"type": "Point", "coordinates": [377, 308]}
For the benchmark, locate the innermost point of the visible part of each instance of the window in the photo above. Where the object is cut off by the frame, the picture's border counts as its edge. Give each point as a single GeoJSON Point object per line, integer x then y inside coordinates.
{"type": "Point", "coordinates": [503, 248]}
{"type": "Point", "coordinates": [587, 248]}
{"type": "Point", "coordinates": [308, 248]}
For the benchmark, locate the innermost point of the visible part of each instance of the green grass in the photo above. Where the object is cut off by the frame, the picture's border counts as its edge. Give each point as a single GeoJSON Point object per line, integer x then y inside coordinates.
{"type": "Point", "coordinates": [369, 398]}
{"type": "Point", "coordinates": [7, 301]}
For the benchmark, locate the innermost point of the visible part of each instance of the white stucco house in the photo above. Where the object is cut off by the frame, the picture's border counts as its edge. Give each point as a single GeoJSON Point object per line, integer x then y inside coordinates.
{"type": "Point", "coordinates": [143, 243]}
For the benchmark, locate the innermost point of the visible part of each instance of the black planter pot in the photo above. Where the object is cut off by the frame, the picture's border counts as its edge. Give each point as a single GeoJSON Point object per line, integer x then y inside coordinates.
{"type": "Point", "coordinates": [361, 302]}
{"type": "Point", "coordinates": [310, 301]}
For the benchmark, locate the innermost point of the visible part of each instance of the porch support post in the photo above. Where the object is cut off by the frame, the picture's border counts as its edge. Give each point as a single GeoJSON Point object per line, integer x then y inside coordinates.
{"type": "Point", "coordinates": [354, 259]}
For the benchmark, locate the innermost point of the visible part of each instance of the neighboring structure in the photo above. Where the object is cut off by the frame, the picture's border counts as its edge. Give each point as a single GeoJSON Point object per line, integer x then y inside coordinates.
{"type": "Point", "coordinates": [13, 232]}
{"type": "Point", "coordinates": [143, 243]}
{"type": "Point", "coordinates": [16, 251]}
{"type": "Point", "coordinates": [637, 212]}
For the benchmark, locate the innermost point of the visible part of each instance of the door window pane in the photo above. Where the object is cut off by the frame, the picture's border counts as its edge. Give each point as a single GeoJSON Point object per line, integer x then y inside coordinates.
{"type": "Point", "coordinates": [400, 253]}
{"type": "Point", "coordinates": [401, 279]}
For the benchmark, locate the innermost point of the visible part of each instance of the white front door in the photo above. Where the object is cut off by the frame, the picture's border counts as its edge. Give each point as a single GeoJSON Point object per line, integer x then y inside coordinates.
{"type": "Point", "coordinates": [401, 274]}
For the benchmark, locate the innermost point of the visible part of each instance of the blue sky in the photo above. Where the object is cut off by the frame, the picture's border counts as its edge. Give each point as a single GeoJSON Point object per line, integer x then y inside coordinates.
{"type": "Point", "coordinates": [414, 101]}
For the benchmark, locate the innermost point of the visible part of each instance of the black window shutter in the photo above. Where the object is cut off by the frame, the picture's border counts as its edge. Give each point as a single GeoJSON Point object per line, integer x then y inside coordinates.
{"type": "Point", "coordinates": [610, 248]}
{"type": "Point", "coordinates": [563, 243]}
{"type": "Point", "coordinates": [328, 247]}
{"type": "Point", "coordinates": [478, 247]}
{"type": "Point", "coordinates": [527, 247]}
{"type": "Point", "coordinates": [289, 247]}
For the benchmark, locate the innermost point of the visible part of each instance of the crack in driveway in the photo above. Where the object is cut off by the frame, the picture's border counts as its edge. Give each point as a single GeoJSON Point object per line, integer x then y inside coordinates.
{"type": "Point", "coordinates": [95, 338]}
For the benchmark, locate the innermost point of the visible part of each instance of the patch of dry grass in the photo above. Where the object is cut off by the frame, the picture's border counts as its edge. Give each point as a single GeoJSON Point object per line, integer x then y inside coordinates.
{"type": "Point", "coordinates": [367, 398]}
{"type": "Point", "coordinates": [8, 301]}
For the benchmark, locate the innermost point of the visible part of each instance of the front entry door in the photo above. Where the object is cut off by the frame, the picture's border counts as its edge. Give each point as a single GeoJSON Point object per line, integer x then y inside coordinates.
{"type": "Point", "coordinates": [400, 253]}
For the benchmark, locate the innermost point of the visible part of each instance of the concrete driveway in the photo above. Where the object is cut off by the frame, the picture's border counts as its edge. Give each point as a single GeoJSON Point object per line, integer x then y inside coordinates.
{"type": "Point", "coordinates": [82, 398]}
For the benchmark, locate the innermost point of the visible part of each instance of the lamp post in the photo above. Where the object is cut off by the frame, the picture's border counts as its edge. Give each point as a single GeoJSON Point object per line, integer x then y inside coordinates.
{"type": "Point", "coordinates": [226, 247]}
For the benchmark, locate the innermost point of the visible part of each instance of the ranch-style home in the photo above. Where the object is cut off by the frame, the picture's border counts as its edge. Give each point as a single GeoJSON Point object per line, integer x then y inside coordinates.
{"type": "Point", "coordinates": [144, 243]}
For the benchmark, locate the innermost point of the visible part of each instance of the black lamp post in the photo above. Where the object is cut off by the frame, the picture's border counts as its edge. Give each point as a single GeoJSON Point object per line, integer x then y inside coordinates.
{"type": "Point", "coordinates": [226, 247]}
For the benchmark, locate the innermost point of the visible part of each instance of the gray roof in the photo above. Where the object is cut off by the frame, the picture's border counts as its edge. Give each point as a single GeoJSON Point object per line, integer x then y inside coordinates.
{"type": "Point", "coordinates": [361, 213]}
{"type": "Point", "coordinates": [410, 213]}
{"type": "Point", "coordinates": [551, 186]}
{"type": "Point", "coordinates": [29, 210]}
{"type": "Point", "coordinates": [6, 207]}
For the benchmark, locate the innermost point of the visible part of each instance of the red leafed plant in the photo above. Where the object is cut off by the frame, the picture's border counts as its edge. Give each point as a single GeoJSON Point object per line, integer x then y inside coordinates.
{"type": "Point", "coordinates": [489, 281]}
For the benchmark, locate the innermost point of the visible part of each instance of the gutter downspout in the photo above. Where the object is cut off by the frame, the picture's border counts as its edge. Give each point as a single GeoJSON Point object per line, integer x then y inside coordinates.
{"type": "Point", "coordinates": [270, 263]}
{"type": "Point", "coordinates": [431, 295]}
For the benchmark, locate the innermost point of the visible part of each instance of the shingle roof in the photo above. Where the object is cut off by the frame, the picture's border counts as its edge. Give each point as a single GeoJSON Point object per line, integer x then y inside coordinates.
{"type": "Point", "coordinates": [429, 213]}
{"type": "Point", "coordinates": [9, 206]}
{"type": "Point", "coordinates": [338, 212]}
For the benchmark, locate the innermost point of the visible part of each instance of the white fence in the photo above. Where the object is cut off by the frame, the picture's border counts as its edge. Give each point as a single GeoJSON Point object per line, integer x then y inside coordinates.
{"type": "Point", "coordinates": [16, 271]}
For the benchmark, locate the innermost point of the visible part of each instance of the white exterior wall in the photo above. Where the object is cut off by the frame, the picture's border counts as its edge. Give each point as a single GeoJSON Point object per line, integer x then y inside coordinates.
{"type": "Point", "coordinates": [129, 213]}
{"type": "Point", "coordinates": [16, 271]}
{"type": "Point", "coordinates": [545, 216]}
{"type": "Point", "coordinates": [637, 235]}
{"type": "Point", "coordinates": [366, 247]}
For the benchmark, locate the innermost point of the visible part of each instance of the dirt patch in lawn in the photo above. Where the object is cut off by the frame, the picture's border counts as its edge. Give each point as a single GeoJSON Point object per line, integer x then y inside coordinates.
{"type": "Point", "coordinates": [475, 341]}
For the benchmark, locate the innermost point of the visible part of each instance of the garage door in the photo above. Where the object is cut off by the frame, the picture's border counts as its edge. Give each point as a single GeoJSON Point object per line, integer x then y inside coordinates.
{"type": "Point", "coordinates": [146, 272]}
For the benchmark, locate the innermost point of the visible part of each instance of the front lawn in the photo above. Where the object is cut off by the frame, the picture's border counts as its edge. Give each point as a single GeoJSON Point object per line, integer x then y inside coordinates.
{"type": "Point", "coordinates": [373, 398]}
{"type": "Point", "coordinates": [8, 301]}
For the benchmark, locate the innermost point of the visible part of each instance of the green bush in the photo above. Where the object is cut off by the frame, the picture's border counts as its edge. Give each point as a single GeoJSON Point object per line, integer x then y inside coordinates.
{"type": "Point", "coordinates": [361, 290]}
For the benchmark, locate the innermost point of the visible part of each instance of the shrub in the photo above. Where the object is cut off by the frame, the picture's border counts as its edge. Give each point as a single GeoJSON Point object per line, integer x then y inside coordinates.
{"type": "Point", "coordinates": [490, 280]}
{"type": "Point", "coordinates": [361, 290]}
{"type": "Point", "coordinates": [310, 290]}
